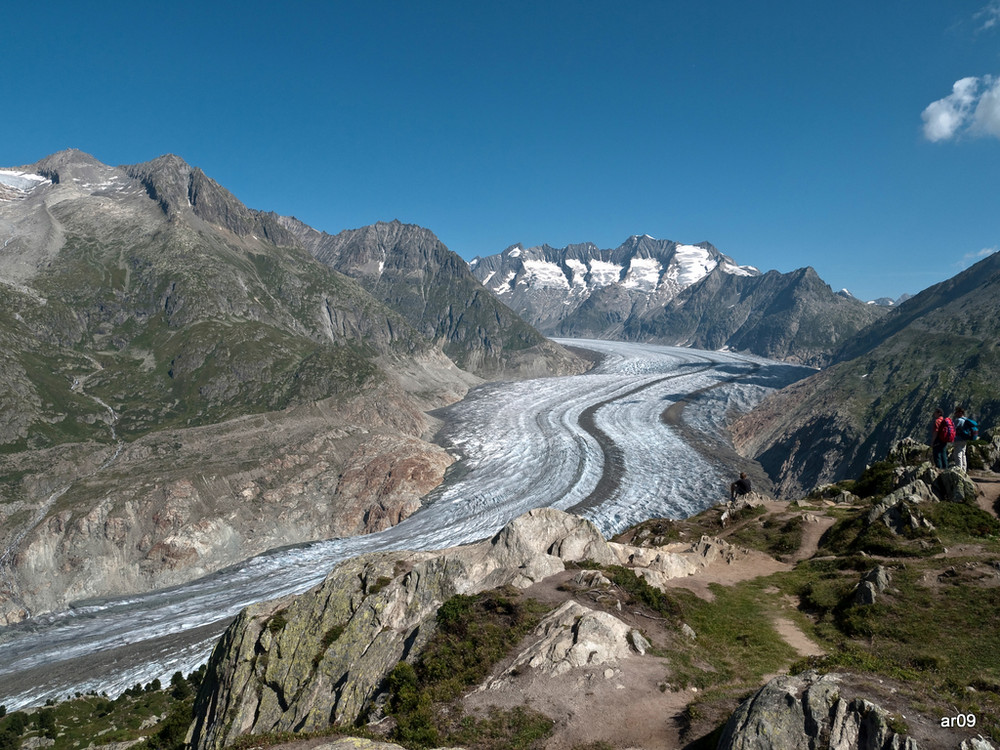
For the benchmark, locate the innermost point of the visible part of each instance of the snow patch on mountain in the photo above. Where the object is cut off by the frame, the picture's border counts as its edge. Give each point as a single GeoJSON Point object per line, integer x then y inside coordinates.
{"type": "Point", "coordinates": [643, 274]}
{"type": "Point", "coordinates": [740, 270]}
{"type": "Point", "coordinates": [504, 286]}
{"type": "Point", "coordinates": [544, 275]}
{"type": "Point", "coordinates": [579, 271]}
{"type": "Point", "coordinates": [693, 264]}
{"type": "Point", "coordinates": [603, 273]}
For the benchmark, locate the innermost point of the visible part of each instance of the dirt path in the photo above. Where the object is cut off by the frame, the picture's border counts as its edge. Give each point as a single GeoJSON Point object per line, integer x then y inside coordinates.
{"type": "Point", "coordinates": [812, 531]}
{"type": "Point", "coordinates": [989, 488]}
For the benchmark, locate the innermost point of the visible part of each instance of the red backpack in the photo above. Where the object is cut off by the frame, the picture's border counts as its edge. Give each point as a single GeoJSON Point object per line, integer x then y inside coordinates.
{"type": "Point", "coordinates": [946, 431]}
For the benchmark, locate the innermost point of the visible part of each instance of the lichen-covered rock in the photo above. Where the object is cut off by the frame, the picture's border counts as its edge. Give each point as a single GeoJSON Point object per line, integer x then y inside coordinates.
{"type": "Point", "coordinates": [806, 711]}
{"type": "Point", "coordinates": [954, 486]}
{"type": "Point", "coordinates": [303, 663]}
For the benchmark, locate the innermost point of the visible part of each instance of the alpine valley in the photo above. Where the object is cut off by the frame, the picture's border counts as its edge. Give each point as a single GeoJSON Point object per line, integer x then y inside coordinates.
{"type": "Point", "coordinates": [187, 383]}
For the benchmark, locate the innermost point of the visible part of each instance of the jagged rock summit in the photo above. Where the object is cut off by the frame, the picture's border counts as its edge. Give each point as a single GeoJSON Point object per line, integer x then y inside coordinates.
{"type": "Point", "coordinates": [582, 289]}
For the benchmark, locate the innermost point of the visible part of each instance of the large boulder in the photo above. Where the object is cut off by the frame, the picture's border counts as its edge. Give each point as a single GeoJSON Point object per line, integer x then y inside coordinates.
{"type": "Point", "coordinates": [794, 712]}
{"type": "Point", "coordinates": [954, 486]}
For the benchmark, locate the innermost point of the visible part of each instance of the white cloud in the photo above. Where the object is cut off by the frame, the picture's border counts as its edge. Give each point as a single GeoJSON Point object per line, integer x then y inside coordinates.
{"type": "Point", "coordinates": [989, 16]}
{"type": "Point", "coordinates": [945, 117]}
{"type": "Point", "coordinates": [971, 258]}
{"type": "Point", "coordinates": [986, 120]}
{"type": "Point", "coordinates": [972, 107]}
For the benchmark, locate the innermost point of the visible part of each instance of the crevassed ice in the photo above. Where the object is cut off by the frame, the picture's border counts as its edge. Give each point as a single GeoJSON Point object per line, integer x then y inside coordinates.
{"type": "Point", "coordinates": [21, 180]}
{"type": "Point", "coordinates": [522, 446]}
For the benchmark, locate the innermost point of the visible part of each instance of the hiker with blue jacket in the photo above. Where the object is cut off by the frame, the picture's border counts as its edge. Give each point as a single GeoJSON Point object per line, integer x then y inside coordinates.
{"type": "Point", "coordinates": [966, 429]}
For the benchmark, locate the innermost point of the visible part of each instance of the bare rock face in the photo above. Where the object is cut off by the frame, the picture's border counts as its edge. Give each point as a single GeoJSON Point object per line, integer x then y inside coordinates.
{"type": "Point", "coordinates": [181, 504]}
{"type": "Point", "coordinates": [573, 636]}
{"type": "Point", "coordinates": [302, 663]}
{"type": "Point", "coordinates": [808, 710]}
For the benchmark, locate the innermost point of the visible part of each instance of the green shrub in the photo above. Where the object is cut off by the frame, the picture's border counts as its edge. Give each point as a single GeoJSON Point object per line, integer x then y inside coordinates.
{"type": "Point", "coordinates": [963, 519]}
{"type": "Point", "coordinates": [654, 598]}
{"type": "Point", "coordinates": [473, 633]}
{"type": "Point", "coordinates": [876, 480]}
{"type": "Point", "coordinates": [171, 732]}
{"type": "Point", "coordinates": [278, 621]}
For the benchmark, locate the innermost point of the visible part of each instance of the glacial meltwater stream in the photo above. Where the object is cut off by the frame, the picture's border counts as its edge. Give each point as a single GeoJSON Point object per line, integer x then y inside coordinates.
{"type": "Point", "coordinates": [546, 442]}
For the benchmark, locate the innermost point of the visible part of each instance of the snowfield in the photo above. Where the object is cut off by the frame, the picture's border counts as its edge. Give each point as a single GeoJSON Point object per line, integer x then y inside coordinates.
{"type": "Point", "coordinates": [521, 445]}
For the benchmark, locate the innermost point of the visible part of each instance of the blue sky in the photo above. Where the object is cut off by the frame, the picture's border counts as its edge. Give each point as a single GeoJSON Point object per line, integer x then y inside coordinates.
{"type": "Point", "coordinates": [861, 138]}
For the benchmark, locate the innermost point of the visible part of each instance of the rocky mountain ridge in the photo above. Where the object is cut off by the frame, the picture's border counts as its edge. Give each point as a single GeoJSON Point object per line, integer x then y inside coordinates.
{"type": "Point", "coordinates": [664, 292]}
{"type": "Point", "coordinates": [554, 288]}
{"type": "Point", "coordinates": [411, 271]}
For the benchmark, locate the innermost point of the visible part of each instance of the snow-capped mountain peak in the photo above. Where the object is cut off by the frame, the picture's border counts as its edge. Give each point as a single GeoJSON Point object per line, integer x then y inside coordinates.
{"type": "Point", "coordinates": [545, 284]}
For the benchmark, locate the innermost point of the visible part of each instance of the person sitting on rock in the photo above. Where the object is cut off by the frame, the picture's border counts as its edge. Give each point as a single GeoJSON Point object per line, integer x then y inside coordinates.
{"type": "Point", "coordinates": [740, 487]}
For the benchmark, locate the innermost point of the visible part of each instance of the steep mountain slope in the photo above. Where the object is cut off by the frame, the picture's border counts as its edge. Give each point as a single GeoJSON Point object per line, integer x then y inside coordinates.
{"type": "Point", "coordinates": [792, 316]}
{"type": "Point", "coordinates": [937, 349]}
{"type": "Point", "coordinates": [147, 316]}
{"type": "Point", "coordinates": [581, 290]}
{"type": "Point", "coordinates": [661, 291]}
{"type": "Point", "coordinates": [412, 272]}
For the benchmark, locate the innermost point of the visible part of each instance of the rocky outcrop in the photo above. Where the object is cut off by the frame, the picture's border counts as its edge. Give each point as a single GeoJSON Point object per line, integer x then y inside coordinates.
{"type": "Point", "coordinates": [572, 636]}
{"type": "Point", "coordinates": [304, 662]}
{"type": "Point", "coordinates": [811, 710]}
{"type": "Point", "coordinates": [873, 583]}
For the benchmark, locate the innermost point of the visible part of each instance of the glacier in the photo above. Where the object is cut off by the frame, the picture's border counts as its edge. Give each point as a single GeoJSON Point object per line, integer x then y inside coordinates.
{"type": "Point", "coordinates": [519, 445]}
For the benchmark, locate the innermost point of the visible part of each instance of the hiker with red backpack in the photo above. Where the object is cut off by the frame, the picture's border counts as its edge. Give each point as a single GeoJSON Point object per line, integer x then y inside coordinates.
{"type": "Point", "coordinates": [942, 435]}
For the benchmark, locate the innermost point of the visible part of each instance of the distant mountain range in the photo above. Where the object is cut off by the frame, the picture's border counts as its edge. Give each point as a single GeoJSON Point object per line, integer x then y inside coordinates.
{"type": "Point", "coordinates": [881, 301]}
{"type": "Point", "coordinates": [665, 292]}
